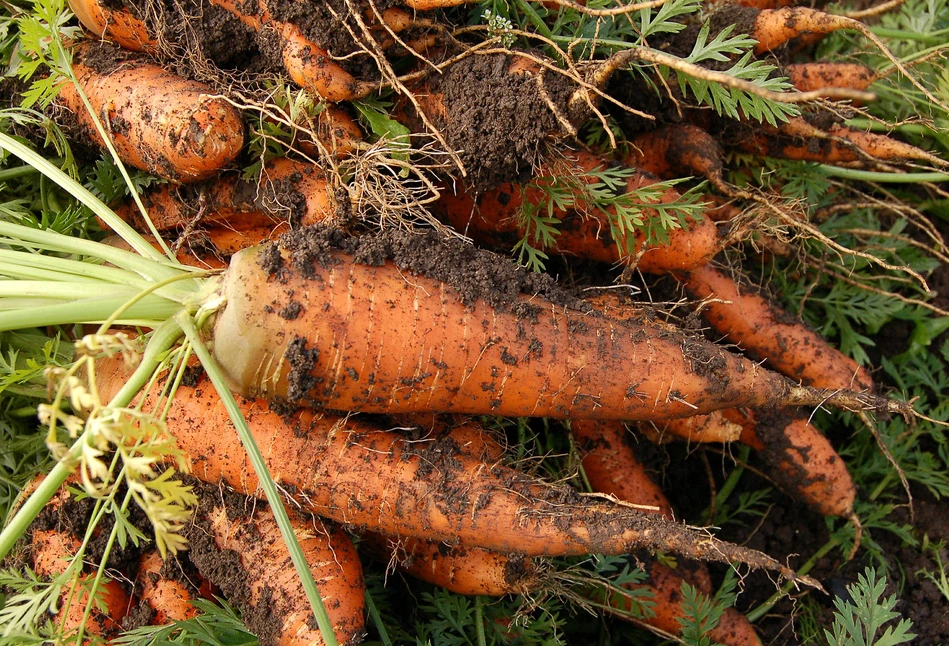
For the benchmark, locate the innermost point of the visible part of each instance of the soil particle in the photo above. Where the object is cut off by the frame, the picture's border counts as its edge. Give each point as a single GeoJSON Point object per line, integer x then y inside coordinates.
{"type": "Point", "coordinates": [499, 121]}
{"type": "Point", "coordinates": [303, 362]}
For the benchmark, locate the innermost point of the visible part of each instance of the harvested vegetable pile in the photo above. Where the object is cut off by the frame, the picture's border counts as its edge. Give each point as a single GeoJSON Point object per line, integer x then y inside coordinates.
{"type": "Point", "coordinates": [506, 292]}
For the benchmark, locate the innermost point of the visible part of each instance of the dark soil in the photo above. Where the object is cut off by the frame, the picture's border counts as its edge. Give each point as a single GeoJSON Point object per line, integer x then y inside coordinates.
{"type": "Point", "coordinates": [498, 120]}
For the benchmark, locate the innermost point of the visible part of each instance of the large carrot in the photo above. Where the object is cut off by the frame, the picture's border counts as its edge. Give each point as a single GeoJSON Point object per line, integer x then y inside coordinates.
{"type": "Point", "coordinates": [354, 473]}
{"type": "Point", "coordinates": [270, 595]}
{"type": "Point", "coordinates": [493, 219]}
{"type": "Point", "coordinates": [158, 122]}
{"type": "Point", "coordinates": [767, 333]}
{"type": "Point", "coordinates": [307, 323]}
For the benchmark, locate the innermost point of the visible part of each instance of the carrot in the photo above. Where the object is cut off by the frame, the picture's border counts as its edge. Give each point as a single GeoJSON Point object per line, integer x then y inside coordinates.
{"type": "Point", "coordinates": [168, 597]}
{"type": "Point", "coordinates": [308, 64]}
{"type": "Point", "coordinates": [294, 192]}
{"type": "Point", "coordinates": [611, 467]}
{"type": "Point", "coordinates": [186, 135]}
{"type": "Point", "coordinates": [460, 569]}
{"type": "Point", "coordinates": [767, 333]}
{"type": "Point", "coordinates": [815, 76]}
{"type": "Point", "coordinates": [51, 551]}
{"type": "Point", "coordinates": [838, 144]}
{"type": "Point", "coordinates": [438, 350]}
{"type": "Point", "coordinates": [336, 131]}
{"type": "Point", "coordinates": [802, 461]}
{"type": "Point", "coordinates": [675, 150]}
{"type": "Point", "coordinates": [116, 24]}
{"type": "Point", "coordinates": [492, 219]}
{"type": "Point", "coordinates": [775, 27]}
{"type": "Point", "coordinates": [713, 427]}
{"type": "Point", "coordinates": [270, 595]}
{"type": "Point", "coordinates": [354, 473]}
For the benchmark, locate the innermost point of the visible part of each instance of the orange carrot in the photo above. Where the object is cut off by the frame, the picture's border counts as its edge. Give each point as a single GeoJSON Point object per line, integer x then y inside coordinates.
{"type": "Point", "coordinates": [493, 220]}
{"type": "Point", "coordinates": [677, 150]}
{"type": "Point", "coordinates": [357, 474]}
{"type": "Point", "coordinates": [336, 132]}
{"type": "Point", "coordinates": [166, 596]}
{"type": "Point", "coordinates": [270, 596]}
{"type": "Point", "coordinates": [815, 76]}
{"type": "Point", "coordinates": [380, 341]}
{"type": "Point", "coordinates": [186, 135]}
{"type": "Point", "coordinates": [802, 461]}
{"type": "Point", "coordinates": [775, 27]}
{"type": "Point", "coordinates": [713, 427]}
{"type": "Point", "coordinates": [116, 24]}
{"type": "Point", "coordinates": [767, 333]}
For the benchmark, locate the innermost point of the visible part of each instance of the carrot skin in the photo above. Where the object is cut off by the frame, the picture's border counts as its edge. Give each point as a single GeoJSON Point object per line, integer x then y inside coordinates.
{"type": "Point", "coordinates": [775, 27]}
{"type": "Point", "coordinates": [710, 428]}
{"type": "Point", "coordinates": [806, 77]}
{"type": "Point", "coordinates": [492, 221]}
{"type": "Point", "coordinates": [117, 25]}
{"type": "Point", "coordinates": [379, 343]}
{"type": "Point", "coordinates": [187, 137]}
{"type": "Point", "coordinates": [677, 150]}
{"type": "Point", "coordinates": [168, 597]}
{"type": "Point", "coordinates": [273, 594]}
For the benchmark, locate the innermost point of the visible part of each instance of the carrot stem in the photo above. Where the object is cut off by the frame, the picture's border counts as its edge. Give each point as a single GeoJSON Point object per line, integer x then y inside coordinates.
{"type": "Point", "coordinates": [162, 339]}
{"type": "Point", "coordinates": [877, 176]}
{"type": "Point", "coordinates": [760, 611]}
{"type": "Point", "coordinates": [214, 373]}
{"type": "Point", "coordinates": [377, 620]}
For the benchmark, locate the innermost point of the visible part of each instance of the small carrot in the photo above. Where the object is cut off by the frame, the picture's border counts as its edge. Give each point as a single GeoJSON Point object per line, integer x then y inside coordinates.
{"type": "Point", "coordinates": [676, 150]}
{"type": "Point", "coordinates": [270, 596]}
{"type": "Point", "coordinates": [186, 136]}
{"type": "Point", "coordinates": [767, 333]}
{"type": "Point", "coordinates": [802, 461]}
{"type": "Point", "coordinates": [168, 597]}
{"type": "Point", "coordinates": [493, 219]}
{"type": "Point", "coordinates": [817, 75]}
{"type": "Point", "coordinates": [118, 24]}
{"type": "Point", "coordinates": [711, 428]}
{"type": "Point", "coordinates": [775, 27]}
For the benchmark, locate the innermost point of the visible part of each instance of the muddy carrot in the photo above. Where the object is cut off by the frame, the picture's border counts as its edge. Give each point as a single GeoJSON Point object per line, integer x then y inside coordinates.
{"type": "Point", "coordinates": [775, 27]}
{"type": "Point", "coordinates": [168, 597]}
{"type": "Point", "coordinates": [711, 428]}
{"type": "Point", "coordinates": [815, 75]}
{"type": "Point", "coordinates": [186, 136]}
{"type": "Point", "coordinates": [678, 150]}
{"type": "Point", "coordinates": [118, 24]}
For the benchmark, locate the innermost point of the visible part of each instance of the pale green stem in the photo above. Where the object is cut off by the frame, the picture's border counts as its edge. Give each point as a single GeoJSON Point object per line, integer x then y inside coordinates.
{"type": "Point", "coordinates": [377, 620]}
{"type": "Point", "coordinates": [39, 267]}
{"type": "Point", "coordinates": [78, 191]}
{"type": "Point", "coordinates": [88, 311]}
{"type": "Point", "coordinates": [67, 291]}
{"type": "Point", "coordinates": [162, 339]}
{"type": "Point", "coordinates": [760, 611]}
{"type": "Point", "coordinates": [266, 481]}
{"type": "Point", "coordinates": [876, 176]}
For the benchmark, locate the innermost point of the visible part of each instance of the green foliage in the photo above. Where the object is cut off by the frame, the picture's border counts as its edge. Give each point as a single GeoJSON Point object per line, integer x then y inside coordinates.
{"type": "Point", "coordinates": [858, 621]}
{"type": "Point", "coordinates": [217, 625]}
{"type": "Point", "coordinates": [702, 613]}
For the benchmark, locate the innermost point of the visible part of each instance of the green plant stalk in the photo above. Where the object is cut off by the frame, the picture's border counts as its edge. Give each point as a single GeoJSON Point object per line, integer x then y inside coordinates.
{"type": "Point", "coordinates": [89, 311]}
{"type": "Point", "coordinates": [16, 173]}
{"type": "Point", "coordinates": [479, 621]}
{"type": "Point", "coordinates": [760, 611]}
{"type": "Point", "coordinates": [214, 373]}
{"type": "Point", "coordinates": [377, 620]}
{"type": "Point", "coordinates": [876, 176]}
{"type": "Point", "coordinates": [162, 340]}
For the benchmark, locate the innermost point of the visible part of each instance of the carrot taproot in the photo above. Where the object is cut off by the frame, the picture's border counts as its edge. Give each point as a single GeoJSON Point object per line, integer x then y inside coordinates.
{"type": "Point", "coordinates": [157, 121]}
{"type": "Point", "coordinates": [765, 332]}
{"type": "Point", "coordinates": [711, 428]}
{"type": "Point", "coordinates": [168, 597]}
{"type": "Point", "coordinates": [460, 569]}
{"type": "Point", "coordinates": [817, 75]}
{"type": "Point", "coordinates": [308, 64]}
{"type": "Point", "coordinates": [376, 338]}
{"type": "Point", "coordinates": [492, 218]}
{"type": "Point", "coordinates": [675, 150]}
{"type": "Point", "coordinates": [802, 461]}
{"type": "Point", "coordinates": [290, 191]}
{"type": "Point", "coordinates": [270, 595]}
{"type": "Point", "coordinates": [611, 467]}
{"type": "Point", "coordinates": [51, 550]}
{"type": "Point", "coordinates": [336, 132]}
{"type": "Point", "coordinates": [118, 24]}
{"type": "Point", "coordinates": [355, 473]}
{"type": "Point", "coordinates": [838, 144]}
{"type": "Point", "coordinates": [773, 28]}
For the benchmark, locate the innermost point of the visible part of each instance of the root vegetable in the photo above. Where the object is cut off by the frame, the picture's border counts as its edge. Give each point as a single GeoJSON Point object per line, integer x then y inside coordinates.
{"type": "Point", "coordinates": [187, 136]}
{"type": "Point", "coordinates": [775, 27]}
{"type": "Point", "coordinates": [270, 595]}
{"type": "Point", "coordinates": [311, 325]}
{"type": "Point", "coordinates": [815, 76]}
{"type": "Point", "coordinates": [710, 428]}
{"type": "Point", "coordinates": [493, 220]}
{"type": "Point", "coordinates": [676, 150]}
{"type": "Point", "coordinates": [116, 24]}
{"type": "Point", "coordinates": [767, 333]}
{"type": "Point", "coordinates": [354, 473]}
{"type": "Point", "coordinates": [167, 597]}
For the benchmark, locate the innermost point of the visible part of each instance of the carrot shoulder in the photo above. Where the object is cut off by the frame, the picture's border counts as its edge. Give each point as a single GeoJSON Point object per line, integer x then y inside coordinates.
{"type": "Point", "coordinates": [158, 122]}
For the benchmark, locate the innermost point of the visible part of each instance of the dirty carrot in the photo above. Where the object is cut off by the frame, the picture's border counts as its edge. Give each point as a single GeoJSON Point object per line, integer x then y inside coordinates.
{"type": "Point", "coordinates": [187, 135]}
{"type": "Point", "coordinates": [765, 332]}
{"type": "Point", "coordinates": [712, 428]}
{"type": "Point", "coordinates": [814, 76]}
{"type": "Point", "coordinates": [383, 338]}
{"type": "Point", "coordinates": [586, 232]}
{"type": "Point", "coordinates": [355, 473]}
{"type": "Point", "coordinates": [775, 27]}
{"type": "Point", "coordinates": [675, 150]}
{"type": "Point", "coordinates": [116, 23]}
{"type": "Point", "coordinates": [244, 555]}
{"type": "Point", "coordinates": [168, 597]}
